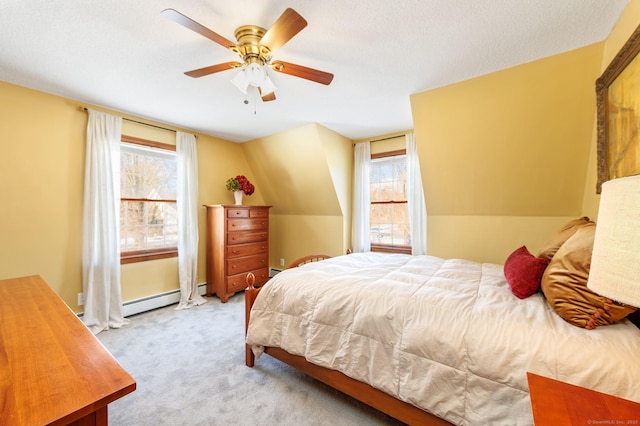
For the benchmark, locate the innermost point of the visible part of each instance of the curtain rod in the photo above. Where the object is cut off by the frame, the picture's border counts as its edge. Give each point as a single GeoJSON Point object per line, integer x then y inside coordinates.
{"type": "Point", "coordinates": [390, 137]}
{"type": "Point", "coordinates": [139, 122]}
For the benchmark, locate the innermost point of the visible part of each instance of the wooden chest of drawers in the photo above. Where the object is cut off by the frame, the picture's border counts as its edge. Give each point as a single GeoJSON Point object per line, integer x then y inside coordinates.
{"type": "Point", "coordinates": [237, 243]}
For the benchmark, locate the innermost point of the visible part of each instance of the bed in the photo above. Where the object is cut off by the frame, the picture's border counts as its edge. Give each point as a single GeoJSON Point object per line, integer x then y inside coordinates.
{"type": "Point", "coordinates": [430, 340]}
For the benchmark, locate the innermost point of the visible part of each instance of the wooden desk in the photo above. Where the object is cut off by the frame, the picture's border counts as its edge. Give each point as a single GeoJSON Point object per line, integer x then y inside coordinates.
{"type": "Point", "coordinates": [557, 403]}
{"type": "Point", "coordinates": [53, 370]}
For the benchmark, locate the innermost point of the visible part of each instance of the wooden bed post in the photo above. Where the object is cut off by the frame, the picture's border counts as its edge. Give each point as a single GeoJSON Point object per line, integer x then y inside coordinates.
{"type": "Point", "coordinates": [250, 294]}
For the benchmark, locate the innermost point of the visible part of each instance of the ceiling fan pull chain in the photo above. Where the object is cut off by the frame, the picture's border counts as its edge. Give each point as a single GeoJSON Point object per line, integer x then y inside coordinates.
{"type": "Point", "coordinates": [255, 100]}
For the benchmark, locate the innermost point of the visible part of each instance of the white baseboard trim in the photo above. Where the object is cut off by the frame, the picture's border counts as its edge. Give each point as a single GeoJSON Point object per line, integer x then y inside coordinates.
{"type": "Point", "coordinates": [160, 300]}
{"type": "Point", "coordinates": [144, 304]}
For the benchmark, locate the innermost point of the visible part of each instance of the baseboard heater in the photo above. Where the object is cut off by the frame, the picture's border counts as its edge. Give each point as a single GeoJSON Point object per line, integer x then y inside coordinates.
{"type": "Point", "coordinates": [273, 272]}
{"type": "Point", "coordinates": [144, 304]}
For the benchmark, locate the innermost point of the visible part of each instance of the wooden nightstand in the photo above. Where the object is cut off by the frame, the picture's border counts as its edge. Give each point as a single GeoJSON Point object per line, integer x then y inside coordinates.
{"type": "Point", "coordinates": [558, 403]}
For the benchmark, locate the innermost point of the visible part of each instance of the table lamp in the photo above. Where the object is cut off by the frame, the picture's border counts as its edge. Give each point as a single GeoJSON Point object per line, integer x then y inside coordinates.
{"type": "Point", "coordinates": [615, 262]}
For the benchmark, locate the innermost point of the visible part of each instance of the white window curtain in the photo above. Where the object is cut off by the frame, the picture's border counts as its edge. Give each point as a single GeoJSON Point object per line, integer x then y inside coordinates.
{"type": "Point", "coordinates": [415, 199]}
{"type": "Point", "coordinates": [187, 203]}
{"type": "Point", "coordinates": [101, 224]}
{"type": "Point", "coordinates": [361, 197]}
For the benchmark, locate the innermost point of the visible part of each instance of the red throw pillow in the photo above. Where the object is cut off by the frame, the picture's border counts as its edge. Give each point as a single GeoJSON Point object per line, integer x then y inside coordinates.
{"type": "Point", "coordinates": [524, 272]}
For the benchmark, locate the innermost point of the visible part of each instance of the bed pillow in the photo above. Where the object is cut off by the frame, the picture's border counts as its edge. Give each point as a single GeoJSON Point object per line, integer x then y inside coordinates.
{"type": "Point", "coordinates": [523, 272]}
{"type": "Point", "coordinates": [561, 235]}
{"type": "Point", "coordinates": [564, 284]}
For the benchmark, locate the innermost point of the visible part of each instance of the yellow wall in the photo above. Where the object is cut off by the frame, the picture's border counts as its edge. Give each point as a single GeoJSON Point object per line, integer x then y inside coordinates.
{"type": "Point", "coordinates": [306, 175]}
{"type": "Point", "coordinates": [41, 184]}
{"type": "Point", "coordinates": [504, 156]}
{"type": "Point", "coordinates": [41, 192]}
{"type": "Point", "coordinates": [339, 152]}
{"type": "Point", "coordinates": [294, 236]}
{"type": "Point", "coordinates": [290, 165]}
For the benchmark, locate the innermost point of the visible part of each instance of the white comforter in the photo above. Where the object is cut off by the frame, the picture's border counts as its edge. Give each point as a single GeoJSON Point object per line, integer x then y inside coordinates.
{"type": "Point", "coordinates": [445, 335]}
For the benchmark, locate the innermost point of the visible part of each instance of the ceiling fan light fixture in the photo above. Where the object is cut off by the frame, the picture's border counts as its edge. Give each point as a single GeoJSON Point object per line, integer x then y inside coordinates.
{"type": "Point", "coordinates": [267, 86]}
{"type": "Point", "coordinates": [255, 74]}
{"type": "Point", "coordinates": [241, 81]}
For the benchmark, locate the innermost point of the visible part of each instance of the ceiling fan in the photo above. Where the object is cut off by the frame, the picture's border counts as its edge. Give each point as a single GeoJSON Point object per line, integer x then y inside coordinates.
{"type": "Point", "coordinates": [255, 46]}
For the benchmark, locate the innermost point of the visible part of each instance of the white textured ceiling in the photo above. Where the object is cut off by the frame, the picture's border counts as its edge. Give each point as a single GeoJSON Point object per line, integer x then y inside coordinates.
{"type": "Point", "coordinates": [123, 55]}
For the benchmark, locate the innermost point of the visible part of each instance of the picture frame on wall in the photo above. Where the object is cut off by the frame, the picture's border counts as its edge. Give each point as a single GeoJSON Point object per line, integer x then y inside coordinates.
{"type": "Point", "coordinates": [618, 109]}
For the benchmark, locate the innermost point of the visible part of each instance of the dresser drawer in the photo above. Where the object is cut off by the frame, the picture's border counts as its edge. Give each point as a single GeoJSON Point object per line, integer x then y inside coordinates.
{"type": "Point", "coordinates": [246, 237]}
{"type": "Point", "coordinates": [239, 282]}
{"type": "Point", "coordinates": [259, 213]}
{"type": "Point", "coordinates": [247, 212]}
{"type": "Point", "coordinates": [247, 224]}
{"type": "Point", "coordinates": [231, 212]}
{"type": "Point", "coordinates": [238, 250]}
{"type": "Point", "coordinates": [247, 263]}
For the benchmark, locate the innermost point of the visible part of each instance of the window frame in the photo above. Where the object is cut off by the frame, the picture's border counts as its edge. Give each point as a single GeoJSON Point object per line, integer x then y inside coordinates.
{"type": "Point", "coordinates": [388, 248]}
{"type": "Point", "coordinates": [135, 256]}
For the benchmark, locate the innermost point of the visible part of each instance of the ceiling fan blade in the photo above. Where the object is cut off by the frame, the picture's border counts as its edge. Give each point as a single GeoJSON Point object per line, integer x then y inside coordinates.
{"type": "Point", "coordinates": [288, 25]}
{"type": "Point", "coordinates": [269, 97]}
{"type": "Point", "coordinates": [187, 22]}
{"type": "Point", "coordinates": [302, 72]}
{"type": "Point", "coordinates": [201, 72]}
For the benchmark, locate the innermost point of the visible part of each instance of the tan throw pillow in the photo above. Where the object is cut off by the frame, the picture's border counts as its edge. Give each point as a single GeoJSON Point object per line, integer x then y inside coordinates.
{"type": "Point", "coordinates": [553, 244]}
{"type": "Point", "coordinates": [564, 284]}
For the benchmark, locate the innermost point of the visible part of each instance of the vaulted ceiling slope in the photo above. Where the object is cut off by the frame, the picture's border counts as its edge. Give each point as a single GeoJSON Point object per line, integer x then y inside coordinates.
{"type": "Point", "coordinates": [124, 55]}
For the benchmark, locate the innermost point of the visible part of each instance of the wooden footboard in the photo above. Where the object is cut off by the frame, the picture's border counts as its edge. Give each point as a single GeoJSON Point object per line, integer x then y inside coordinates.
{"type": "Point", "coordinates": [360, 391]}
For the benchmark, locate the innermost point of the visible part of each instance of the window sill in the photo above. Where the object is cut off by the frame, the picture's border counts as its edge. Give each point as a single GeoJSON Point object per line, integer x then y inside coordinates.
{"type": "Point", "coordinates": [143, 256]}
{"type": "Point", "coordinates": [382, 248]}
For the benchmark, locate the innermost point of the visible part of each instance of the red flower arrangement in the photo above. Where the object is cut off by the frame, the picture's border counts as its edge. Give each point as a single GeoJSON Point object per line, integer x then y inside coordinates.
{"type": "Point", "coordinates": [240, 183]}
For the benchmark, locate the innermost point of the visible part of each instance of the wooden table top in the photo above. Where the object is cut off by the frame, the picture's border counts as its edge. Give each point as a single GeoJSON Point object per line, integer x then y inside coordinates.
{"type": "Point", "coordinates": [561, 404]}
{"type": "Point", "coordinates": [53, 370]}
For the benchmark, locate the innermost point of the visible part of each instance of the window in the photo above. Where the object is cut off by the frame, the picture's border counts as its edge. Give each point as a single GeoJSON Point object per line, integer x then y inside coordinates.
{"type": "Point", "coordinates": [389, 218]}
{"type": "Point", "coordinates": [148, 210]}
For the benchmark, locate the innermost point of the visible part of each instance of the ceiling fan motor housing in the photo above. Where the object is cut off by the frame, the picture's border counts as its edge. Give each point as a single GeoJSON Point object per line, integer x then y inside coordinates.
{"type": "Point", "coordinates": [249, 47]}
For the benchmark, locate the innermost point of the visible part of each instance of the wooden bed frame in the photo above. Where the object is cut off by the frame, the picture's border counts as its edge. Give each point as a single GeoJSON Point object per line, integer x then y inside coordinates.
{"type": "Point", "coordinates": [362, 392]}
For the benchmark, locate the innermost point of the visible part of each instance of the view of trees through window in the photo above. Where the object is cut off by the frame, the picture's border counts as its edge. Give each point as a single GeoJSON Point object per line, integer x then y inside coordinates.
{"type": "Point", "coordinates": [148, 212]}
{"type": "Point", "coordinates": [389, 219]}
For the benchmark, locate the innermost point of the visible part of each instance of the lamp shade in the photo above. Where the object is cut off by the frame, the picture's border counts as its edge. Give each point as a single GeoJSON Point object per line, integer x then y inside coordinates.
{"type": "Point", "coordinates": [615, 262]}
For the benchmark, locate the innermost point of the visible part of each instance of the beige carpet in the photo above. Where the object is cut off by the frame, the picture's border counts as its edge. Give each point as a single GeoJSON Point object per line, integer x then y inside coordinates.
{"type": "Point", "coordinates": [189, 368]}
